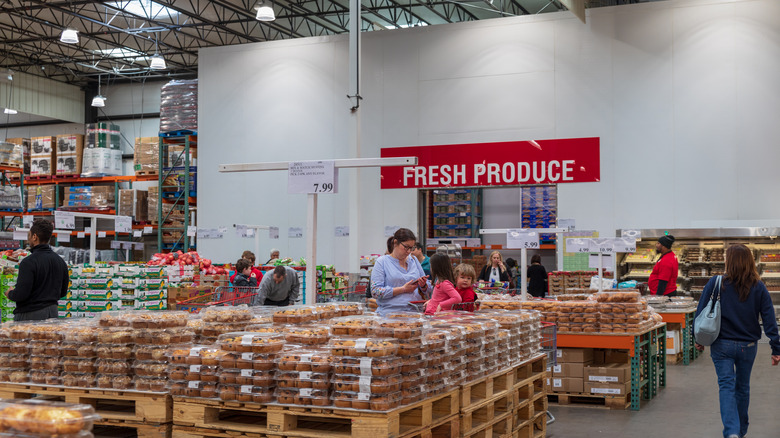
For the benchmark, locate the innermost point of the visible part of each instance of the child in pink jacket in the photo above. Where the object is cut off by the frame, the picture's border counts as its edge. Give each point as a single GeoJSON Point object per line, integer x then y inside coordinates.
{"type": "Point", "coordinates": [444, 293]}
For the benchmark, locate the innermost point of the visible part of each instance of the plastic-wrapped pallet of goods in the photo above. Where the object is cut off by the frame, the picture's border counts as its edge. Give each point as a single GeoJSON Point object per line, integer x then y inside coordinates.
{"type": "Point", "coordinates": [179, 106]}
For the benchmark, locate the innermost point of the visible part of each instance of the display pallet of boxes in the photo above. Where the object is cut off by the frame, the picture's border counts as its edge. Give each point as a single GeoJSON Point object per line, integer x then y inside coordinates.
{"type": "Point", "coordinates": [539, 209]}
{"type": "Point", "coordinates": [146, 157]}
{"type": "Point", "coordinates": [43, 157]}
{"type": "Point", "coordinates": [41, 197]}
{"type": "Point", "coordinates": [25, 144]}
{"type": "Point", "coordinates": [134, 203]}
{"type": "Point", "coordinates": [70, 154]}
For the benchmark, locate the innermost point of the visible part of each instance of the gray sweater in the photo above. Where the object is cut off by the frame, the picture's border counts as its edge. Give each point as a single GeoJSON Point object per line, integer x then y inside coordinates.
{"type": "Point", "coordinates": [288, 288]}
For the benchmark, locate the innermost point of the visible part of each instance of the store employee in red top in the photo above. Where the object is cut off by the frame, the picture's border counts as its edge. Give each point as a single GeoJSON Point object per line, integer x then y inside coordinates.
{"type": "Point", "coordinates": [663, 280]}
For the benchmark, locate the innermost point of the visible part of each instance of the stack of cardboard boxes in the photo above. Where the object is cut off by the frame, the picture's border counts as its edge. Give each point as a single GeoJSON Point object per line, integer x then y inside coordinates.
{"type": "Point", "coordinates": [89, 197]}
{"type": "Point", "coordinates": [146, 157]}
{"type": "Point", "coordinates": [70, 154]}
{"type": "Point", "coordinates": [591, 371]}
{"type": "Point", "coordinates": [102, 156]}
{"type": "Point", "coordinates": [41, 197]}
{"type": "Point", "coordinates": [43, 156]}
{"type": "Point", "coordinates": [134, 203]}
{"type": "Point", "coordinates": [25, 143]}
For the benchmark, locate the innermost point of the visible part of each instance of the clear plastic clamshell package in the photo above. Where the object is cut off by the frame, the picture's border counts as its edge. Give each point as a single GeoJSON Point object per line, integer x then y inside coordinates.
{"type": "Point", "coordinates": [45, 418]}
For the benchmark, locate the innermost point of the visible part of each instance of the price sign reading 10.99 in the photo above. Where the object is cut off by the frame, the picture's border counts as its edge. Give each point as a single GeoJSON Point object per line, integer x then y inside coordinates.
{"type": "Point", "coordinates": [312, 177]}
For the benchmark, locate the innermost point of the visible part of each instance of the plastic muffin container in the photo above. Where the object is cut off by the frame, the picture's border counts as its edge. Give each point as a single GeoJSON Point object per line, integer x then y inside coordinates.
{"type": "Point", "coordinates": [247, 342]}
{"type": "Point", "coordinates": [313, 360]}
{"type": "Point", "coordinates": [349, 309]}
{"type": "Point", "coordinates": [365, 401]}
{"type": "Point", "coordinates": [49, 363]}
{"type": "Point", "coordinates": [150, 369]}
{"type": "Point", "coordinates": [247, 377]}
{"type": "Point", "coordinates": [367, 384]}
{"type": "Point", "coordinates": [110, 366]}
{"type": "Point", "coordinates": [151, 384]}
{"type": "Point", "coordinates": [115, 336]}
{"type": "Point", "coordinates": [400, 328]}
{"type": "Point", "coordinates": [79, 380]}
{"type": "Point", "coordinates": [248, 361]}
{"type": "Point", "coordinates": [46, 418]}
{"type": "Point", "coordinates": [368, 366]}
{"type": "Point", "coordinates": [114, 381]}
{"type": "Point", "coordinates": [170, 336]}
{"type": "Point", "coordinates": [295, 315]}
{"type": "Point", "coordinates": [363, 347]}
{"type": "Point", "coordinates": [307, 334]}
{"type": "Point", "coordinates": [193, 388]}
{"type": "Point", "coordinates": [45, 377]}
{"type": "Point", "coordinates": [361, 325]}
{"type": "Point", "coordinates": [303, 396]}
{"type": "Point", "coordinates": [108, 351]}
{"type": "Point", "coordinates": [302, 379]}
{"type": "Point", "coordinates": [229, 314]}
{"type": "Point", "coordinates": [195, 355]}
{"type": "Point", "coordinates": [327, 311]}
{"type": "Point", "coordinates": [246, 393]}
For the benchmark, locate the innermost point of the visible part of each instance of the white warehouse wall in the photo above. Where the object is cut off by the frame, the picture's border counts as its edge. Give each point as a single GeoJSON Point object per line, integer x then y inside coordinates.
{"type": "Point", "coordinates": [683, 95]}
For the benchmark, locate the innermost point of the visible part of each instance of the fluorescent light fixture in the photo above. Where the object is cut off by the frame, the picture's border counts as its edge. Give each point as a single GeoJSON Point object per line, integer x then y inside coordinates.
{"type": "Point", "coordinates": [158, 62]}
{"type": "Point", "coordinates": [70, 36]}
{"type": "Point", "coordinates": [120, 52]}
{"type": "Point", "coordinates": [99, 101]}
{"type": "Point", "coordinates": [10, 111]}
{"type": "Point", "coordinates": [144, 8]}
{"type": "Point", "coordinates": [265, 13]}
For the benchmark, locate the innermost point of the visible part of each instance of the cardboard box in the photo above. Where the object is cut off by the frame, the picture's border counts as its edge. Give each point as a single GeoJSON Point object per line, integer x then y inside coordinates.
{"type": "Point", "coordinates": [133, 203]}
{"type": "Point", "coordinates": [616, 356]}
{"type": "Point", "coordinates": [569, 370]}
{"type": "Point", "coordinates": [102, 135]}
{"type": "Point", "coordinates": [609, 373]}
{"type": "Point", "coordinates": [70, 154]}
{"type": "Point", "coordinates": [25, 142]}
{"type": "Point", "coordinates": [146, 156]}
{"type": "Point", "coordinates": [672, 342]}
{"type": "Point", "coordinates": [101, 162]}
{"type": "Point", "coordinates": [567, 384]}
{"type": "Point", "coordinates": [599, 356]}
{"type": "Point", "coordinates": [178, 294]}
{"type": "Point", "coordinates": [41, 197]}
{"type": "Point", "coordinates": [578, 355]}
{"type": "Point", "coordinates": [607, 388]}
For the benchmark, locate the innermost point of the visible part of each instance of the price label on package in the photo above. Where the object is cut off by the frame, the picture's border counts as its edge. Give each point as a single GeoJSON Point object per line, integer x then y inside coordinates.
{"type": "Point", "coordinates": [65, 220]}
{"type": "Point", "coordinates": [521, 238]}
{"type": "Point", "coordinates": [574, 244]}
{"type": "Point", "coordinates": [312, 177]}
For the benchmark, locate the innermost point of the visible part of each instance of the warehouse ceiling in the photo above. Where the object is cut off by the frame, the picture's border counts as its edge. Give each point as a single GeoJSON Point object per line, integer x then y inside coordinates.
{"type": "Point", "coordinates": [117, 39]}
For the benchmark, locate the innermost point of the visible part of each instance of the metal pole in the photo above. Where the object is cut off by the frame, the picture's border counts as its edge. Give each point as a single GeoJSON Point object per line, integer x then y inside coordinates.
{"type": "Point", "coordinates": [92, 240]}
{"type": "Point", "coordinates": [257, 243]}
{"type": "Point", "coordinates": [311, 250]}
{"type": "Point", "coordinates": [524, 273]}
{"type": "Point", "coordinates": [601, 272]}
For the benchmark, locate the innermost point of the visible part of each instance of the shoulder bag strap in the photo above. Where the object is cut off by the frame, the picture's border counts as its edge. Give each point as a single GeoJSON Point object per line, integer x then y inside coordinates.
{"type": "Point", "coordinates": [716, 292]}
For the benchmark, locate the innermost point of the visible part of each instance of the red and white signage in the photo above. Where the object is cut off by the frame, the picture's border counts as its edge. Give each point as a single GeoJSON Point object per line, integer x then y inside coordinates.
{"type": "Point", "coordinates": [511, 163]}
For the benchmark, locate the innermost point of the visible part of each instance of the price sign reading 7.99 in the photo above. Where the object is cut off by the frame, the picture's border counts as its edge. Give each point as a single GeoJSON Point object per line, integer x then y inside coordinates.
{"type": "Point", "coordinates": [312, 177]}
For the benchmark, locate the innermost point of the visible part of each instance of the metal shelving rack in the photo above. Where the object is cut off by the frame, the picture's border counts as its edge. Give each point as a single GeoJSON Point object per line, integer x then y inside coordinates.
{"type": "Point", "coordinates": [184, 196]}
{"type": "Point", "coordinates": [463, 217]}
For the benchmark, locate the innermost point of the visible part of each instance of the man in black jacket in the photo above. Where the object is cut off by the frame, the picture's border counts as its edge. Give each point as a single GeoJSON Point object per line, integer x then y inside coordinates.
{"type": "Point", "coordinates": [43, 277]}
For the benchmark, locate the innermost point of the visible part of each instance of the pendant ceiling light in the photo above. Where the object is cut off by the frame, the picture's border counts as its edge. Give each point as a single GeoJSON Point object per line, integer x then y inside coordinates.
{"type": "Point", "coordinates": [265, 12]}
{"type": "Point", "coordinates": [69, 36]}
{"type": "Point", "coordinates": [99, 101]}
{"type": "Point", "coordinates": [158, 62]}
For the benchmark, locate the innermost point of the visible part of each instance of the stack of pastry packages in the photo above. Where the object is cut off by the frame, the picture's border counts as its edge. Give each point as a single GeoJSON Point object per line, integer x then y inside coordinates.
{"type": "Point", "coordinates": [330, 354]}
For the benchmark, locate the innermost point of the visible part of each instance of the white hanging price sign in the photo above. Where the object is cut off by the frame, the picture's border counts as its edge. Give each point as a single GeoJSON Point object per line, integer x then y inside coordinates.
{"type": "Point", "coordinates": [123, 224]}
{"type": "Point", "coordinates": [192, 231]}
{"type": "Point", "coordinates": [148, 230]}
{"type": "Point", "coordinates": [625, 244]}
{"type": "Point", "coordinates": [116, 244]}
{"type": "Point", "coordinates": [127, 245]}
{"type": "Point", "coordinates": [27, 221]}
{"type": "Point", "coordinates": [342, 232]}
{"type": "Point", "coordinates": [81, 234]}
{"type": "Point", "coordinates": [137, 233]}
{"type": "Point", "coordinates": [273, 233]}
{"type": "Point", "coordinates": [634, 234]}
{"type": "Point", "coordinates": [603, 245]}
{"type": "Point", "coordinates": [295, 233]}
{"type": "Point", "coordinates": [520, 238]}
{"type": "Point", "coordinates": [62, 236]}
{"type": "Point", "coordinates": [65, 220]}
{"type": "Point", "coordinates": [20, 234]}
{"type": "Point", "coordinates": [576, 244]}
{"type": "Point", "coordinates": [138, 246]}
{"type": "Point", "coordinates": [101, 234]}
{"type": "Point", "coordinates": [312, 177]}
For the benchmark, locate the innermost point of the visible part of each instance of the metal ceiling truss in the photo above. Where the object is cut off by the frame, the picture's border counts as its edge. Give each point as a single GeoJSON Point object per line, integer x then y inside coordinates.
{"type": "Point", "coordinates": [119, 37]}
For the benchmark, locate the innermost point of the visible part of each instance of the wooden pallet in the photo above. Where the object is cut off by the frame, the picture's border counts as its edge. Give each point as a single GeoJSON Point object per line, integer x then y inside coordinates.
{"type": "Point", "coordinates": [593, 400]}
{"type": "Point", "coordinates": [477, 392]}
{"type": "Point", "coordinates": [533, 428]}
{"type": "Point", "coordinates": [123, 429]}
{"type": "Point", "coordinates": [500, 427]}
{"type": "Point", "coordinates": [476, 417]}
{"type": "Point", "coordinates": [147, 173]}
{"type": "Point", "coordinates": [532, 368]}
{"type": "Point", "coordinates": [132, 406]}
{"type": "Point", "coordinates": [274, 420]}
{"type": "Point", "coordinates": [530, 389]}
{"type": "Point", "coordinates": [674, 358]}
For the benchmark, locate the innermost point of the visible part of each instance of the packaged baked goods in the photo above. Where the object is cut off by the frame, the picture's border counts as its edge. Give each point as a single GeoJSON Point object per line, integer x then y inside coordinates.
{"type": "Point", "coordinates": [169, 336]}
{"type": "Point", "coordinates": [313, 360]}
{"type": "Point", "coordinates": [618, 297]}
{"type": "Point", "coordinates": [148, 319]}
{"type": "Point", "coordinates": [413, 362]}
{"type": "Point", "coordinates": [52, 363]}
{"type": "Point", "coordinates": [349, 309]}
{"type": "Point", "coordinates": [250, 361]}
{"type": "Point", "coordinates": [360, 325]}
{"type": "Point", "coordinates": [44, 348]}
{"type": "Point", "coordinates": [247, 377]}
{"type": "Point", "coordinates": [110, 366]}
{"type": "Point", "coordinates": [400, 328]}
{"type": "Point", "coordinates": [303, 396]}
{"type": "Point", "coordinates": [19, 347]}
{"type": "Point", "coordinates": [230, 314]}
{"type": "Point", "coordinates": [295, 315]}
{"type": "Point", "coordinates": [326, 311]}
{"type": "Point", "coordinates": [114, 381]}
{"type": "Point", "coordinates": [78, 380]}
{"type": "Point", "coordinates": [193, 388]}
{"type": "Point", "coordinates": [368, 366]}
{"type": "Point", "coordinates": [307, 334]}
{"type": "Point", "coordinates": [45, 377]}
{"type": "Point", "coordinates": [268, 327]}
{"type": "Point", "coordinates": [5, 345]}
{"type": "Point", "coordinates": [151, 384]}
{"type": "Point", "coordinates": [45, 418]}
{"type": "Point", "coordinates": [248, 342]}
{"type": "Point", "coordinates": [413, 394]}
{"type": "Point", "coordinates": [87, 365]}
{"type": "Point", "coordinates": [115, 335]}
{"type": "Point", "coordinates": [413, 379]}
{"type": "Point", "coordinates": [366, 401]}
{"type": "Point", "coordinates": [215, 329]}
{"type": "Point", "coordinates": [363, 347]}
{"type": "Point", "coordinates": [109, 351]}
{"type": "Point", "coordinates": [195, 355]}
{"type": "Point", "coordinates": [150, 369]}
{"type": "Point", "coordinates": [405, 315]}
{"type": "Point", "coordinates": [5, 360]}
{"type": "Point", "coordinates": [157, 353]}
{"type": "Point", "coordinates": [246, 393]}
{"type": "Point", "coordinates": [19, 376]}
{"type": "Point", "coordinates": [367, 384]}
{"type": "Point", "coordinates": [302, 379]}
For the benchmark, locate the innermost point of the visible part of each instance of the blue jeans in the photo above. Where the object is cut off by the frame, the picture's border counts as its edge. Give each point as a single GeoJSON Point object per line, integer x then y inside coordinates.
{"type": "Point", "coordinates": [733, 362]}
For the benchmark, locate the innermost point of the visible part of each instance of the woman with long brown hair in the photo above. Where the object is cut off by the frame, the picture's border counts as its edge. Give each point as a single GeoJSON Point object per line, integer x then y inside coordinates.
{"type": "Point", "coordinates": [743, 297]}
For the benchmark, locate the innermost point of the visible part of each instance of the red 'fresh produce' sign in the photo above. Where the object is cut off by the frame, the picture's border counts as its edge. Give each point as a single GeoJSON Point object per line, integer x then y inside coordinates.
{"type": "Point", "coordinates": [511, 163]}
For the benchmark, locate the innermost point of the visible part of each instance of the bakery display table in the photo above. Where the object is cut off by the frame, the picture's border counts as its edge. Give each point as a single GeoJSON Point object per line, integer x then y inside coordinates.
{"type": "Point", "coordinates": [646, 350]}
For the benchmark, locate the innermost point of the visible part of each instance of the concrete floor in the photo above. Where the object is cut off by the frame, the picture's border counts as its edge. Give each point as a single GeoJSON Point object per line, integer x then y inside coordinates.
{"type": "Point", "coordinates": [687, 407]}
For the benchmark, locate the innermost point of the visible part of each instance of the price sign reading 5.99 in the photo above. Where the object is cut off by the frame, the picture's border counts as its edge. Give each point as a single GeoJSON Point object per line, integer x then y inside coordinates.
{"type": "Point", "coordinates": [312, 177]}
{"type": "Point", "coordinates": [520, 238]}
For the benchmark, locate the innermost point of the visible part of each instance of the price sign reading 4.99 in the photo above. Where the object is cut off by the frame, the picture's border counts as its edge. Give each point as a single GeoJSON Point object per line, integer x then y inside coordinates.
{"type": "Point", "coordinates": [312, 177]}
{"type": "Point", "coordinates": [575, 244]}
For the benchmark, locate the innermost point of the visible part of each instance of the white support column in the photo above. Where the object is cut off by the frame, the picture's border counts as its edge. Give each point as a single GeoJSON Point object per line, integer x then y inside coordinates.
{"type": "Point", "coordinates": [92, 240]}
{"type": "Point", "coordinates": [523, 273]}
{"type": "Point", "coordinates": [311, 249]}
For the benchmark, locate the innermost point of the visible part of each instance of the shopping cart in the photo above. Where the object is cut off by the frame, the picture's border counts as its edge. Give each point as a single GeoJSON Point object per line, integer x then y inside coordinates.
{"type": "Point", "coordinates": [549, 346]}
{"type": "Point", "coordinates": [470, 306]}
{"type": "Point", "coordinates": [222, 296]}
{"type": "Point", "coordinates": [353, 294]}
{"type": "Point", "coordinates": [418, 305]}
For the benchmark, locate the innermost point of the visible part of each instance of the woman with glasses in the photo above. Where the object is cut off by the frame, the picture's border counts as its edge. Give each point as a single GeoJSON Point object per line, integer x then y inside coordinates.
{"type": "Point", "coordinates": [398, 277]}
